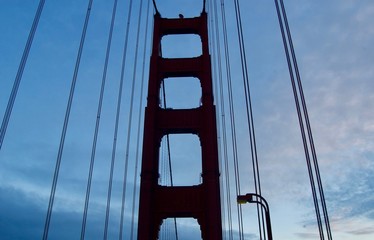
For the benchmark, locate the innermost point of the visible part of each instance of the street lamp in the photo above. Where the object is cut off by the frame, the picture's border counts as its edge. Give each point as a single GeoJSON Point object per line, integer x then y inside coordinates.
{"type": "Point", "coordinates": [255, 198]}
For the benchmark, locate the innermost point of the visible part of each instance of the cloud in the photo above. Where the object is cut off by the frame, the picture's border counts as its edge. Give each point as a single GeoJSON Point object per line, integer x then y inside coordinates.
{"type": "Point", "coordinates": [335, 53]}
{"type": "Point", "coordinates": [356, 226]}
{"type": "Point", "coordinates": [363, 231]}
{"type": "Point", "coordinates": [18, 213]}
{"type": "Point", "coordinates": [335, 58]}
{"type": "Point", "coordinates": [21, 211]}
{"type": "Point", "coordinates": [307, 235]}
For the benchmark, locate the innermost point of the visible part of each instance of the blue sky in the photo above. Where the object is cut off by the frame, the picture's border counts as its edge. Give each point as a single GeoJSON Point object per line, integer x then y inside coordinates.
{"type": "Point", "coordinates": [333, 41]}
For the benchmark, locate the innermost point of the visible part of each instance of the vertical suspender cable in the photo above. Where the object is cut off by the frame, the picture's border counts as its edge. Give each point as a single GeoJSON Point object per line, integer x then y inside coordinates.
{"type": "Point", "coordinates": [170, 172]}
{"type": "Point", "coordinates": [169, 158]}
{"type": "Point", "coordinates": [222, 157]}
{"type": "Point", "coordinates": [21, 67]}
{"type": "Point", "coordinates": [212, 47]}
{"type": "Point", "coordinates": [220, 113]}
{"type": "Point", "coordinates": [232, 114]}
{"type": "Point", "coordinates": [236, 162]}
{"type": "Point", "coordinates": [139, 124]}
{"type": "Point", "coordinates": [66, 121]}
{"type": "Point", "coordinates": [299, 91]}
{"type": "Point", "coordinates": [98, 117]}
{"type": "Point", "coordinates": [168, 151]}
{"type": "Point", "coordinates": [232, 120]}
{"type": "Point", "coordinates": [224, 134]}
{"type": "Point", "coordinates": [130, 123]}
{"type": "Point", "coordinates": [250, 118]}
{"type": "Point", "coordinates": [118, 111]}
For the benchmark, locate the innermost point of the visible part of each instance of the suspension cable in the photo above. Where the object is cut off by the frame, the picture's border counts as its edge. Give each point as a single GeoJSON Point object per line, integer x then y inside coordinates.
{"type": "Point", "coordinates": [130, 122]}
{"type": "Point", "coordinates": [165, 169]}
{"type": "Point", "coordinates": [167, 137]}
{"type": "Point", "coordinates": [169, 158]}
{"type": "Point", "coordinates": [223, 195]}
{"type": "Point", "coordinates": [311, 141]}
{"type": "Point", "coordinates": [283, 22]}
{"type": "Point", "coordinates": [66, 121]}
{"type": "Point", "coordinates": [155, 7]}
{"type": "Point", "coordinates": [98, 117]}
{"type": "Point", "coordinates": [139, 125]}
{"type": "Point", "coordinates": [223, 122]}
{"type": "Point", "coordinates": [232, 114]}
{"type": "Point", "coordinates": [168, 151]}
{"type": "Point", "coordinates": [315, 200]}
{"type": "Point", "coordinates": [21, 67]}
{"type": "Point", "coordinates": [118, 111]}
{"type": "Point", "coordinates": [250, 120]}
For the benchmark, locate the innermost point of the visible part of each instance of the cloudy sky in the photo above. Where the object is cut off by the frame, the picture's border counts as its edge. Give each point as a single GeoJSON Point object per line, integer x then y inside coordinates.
{"type": "Point", "coordinates": [333, 41]}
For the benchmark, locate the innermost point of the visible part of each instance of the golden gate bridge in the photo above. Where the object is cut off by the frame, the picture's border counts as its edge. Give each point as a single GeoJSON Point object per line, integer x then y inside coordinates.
{"type": "Point", "coordinates": [157, 197]}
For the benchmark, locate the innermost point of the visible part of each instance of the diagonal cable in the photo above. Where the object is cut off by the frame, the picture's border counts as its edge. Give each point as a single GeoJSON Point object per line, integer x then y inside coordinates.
{"type": "Point", "coordinates": [97, 125]}
{"type": "Point", "coordinates": [65, 125]}
{"type": "Point", "coordinates": [118, 111]}
{"type": "Point", "coordinates": [139, 126]}
{"type": "Point", "coordinates": [130, 124]}
{"type": "Point", "coordinates": [307, 136]}
{"type": "Point", "coordinates": [21, 68]}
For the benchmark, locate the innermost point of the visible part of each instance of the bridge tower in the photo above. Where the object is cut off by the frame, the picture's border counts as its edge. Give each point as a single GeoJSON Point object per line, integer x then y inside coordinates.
{"type": "Point", "coordinates": [201, 201]}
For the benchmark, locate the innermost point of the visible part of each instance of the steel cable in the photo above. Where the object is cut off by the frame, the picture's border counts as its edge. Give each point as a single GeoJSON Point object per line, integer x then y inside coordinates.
{"type": "Point", "coordinates": [216, 39]}
{"type": "Point", "coordinates": [21, 68]}
{"type": "Point", "coordinates": [65, 125]}
{"type": "Point", "coordinates": [118, 111]}
{"type": "Point", "coordinates": [139, 125]}
{"type": "Point", "coordinates": [307, 123]}
{"type": "Point", "coordinates": [217, 100]}
{"type": "Point", "coordinates": [250, 121]}
{"type": "Point", "coordinates": [97, 124]}
{"type": "Point", "coordinates": [169, 157]}
{"type": "Point", "coordinates": [315, 200]}
{"type": "Point", "coordinates": [130, 123]}
{"type": "Point", "coordinates": [232, 112]}
{"type": "Point", "coordinates": [303, 116]}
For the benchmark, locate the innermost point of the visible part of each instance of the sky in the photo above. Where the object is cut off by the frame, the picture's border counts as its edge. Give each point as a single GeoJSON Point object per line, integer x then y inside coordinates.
{"type": "Point", "coordinates": [333, 43]}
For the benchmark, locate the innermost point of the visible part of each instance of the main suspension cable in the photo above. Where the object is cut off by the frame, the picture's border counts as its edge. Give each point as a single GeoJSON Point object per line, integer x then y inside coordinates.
{"type": "Point", "coordinates": [315, 200]}
{"type": "Point", "coordinates": [287, 41]}
{"type": "Point", "coordinates": [66, 121]}
{"type": "Point", "coordinates": [21, 67]}
{"type": "Point", "coordinates": [118, 111]}
{"type": "Point", "coordinates": [311, 141]}
{"type": "Point", "coordinates": [98, 117]}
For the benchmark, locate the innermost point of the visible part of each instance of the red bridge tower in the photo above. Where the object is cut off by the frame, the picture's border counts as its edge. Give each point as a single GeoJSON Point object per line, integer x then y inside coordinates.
{"type": "Point", "coordinates": [202, 201]}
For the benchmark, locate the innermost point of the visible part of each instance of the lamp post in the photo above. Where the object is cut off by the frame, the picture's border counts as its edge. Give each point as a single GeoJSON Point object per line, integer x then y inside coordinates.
{"type": "Point", "coordinates": [255, 198]}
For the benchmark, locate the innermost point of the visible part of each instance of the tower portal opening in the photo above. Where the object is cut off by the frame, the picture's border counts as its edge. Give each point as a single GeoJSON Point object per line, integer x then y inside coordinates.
{"type": "Point", "coordinates": [181, 46]}
{"type": "Point", "coordinates": [180, 93]}
{"type": "Point", "coordinates": [184, 164]}
{"type": "Point", "coordinates": [187, 228]}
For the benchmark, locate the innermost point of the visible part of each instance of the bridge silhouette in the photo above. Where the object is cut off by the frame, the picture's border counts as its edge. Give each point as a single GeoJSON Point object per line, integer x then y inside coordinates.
{"type": "Point", "coordinates": [80, 123]}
